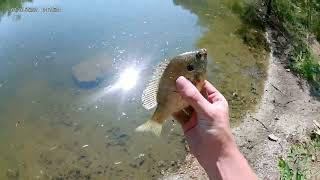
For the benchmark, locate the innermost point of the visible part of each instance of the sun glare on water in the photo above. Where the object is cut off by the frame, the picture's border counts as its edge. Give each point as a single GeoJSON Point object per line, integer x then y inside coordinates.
{"type": "Point", "coordinates": [128, 79]}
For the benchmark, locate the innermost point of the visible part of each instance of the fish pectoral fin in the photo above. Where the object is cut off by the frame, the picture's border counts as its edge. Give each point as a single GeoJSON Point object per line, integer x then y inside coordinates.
{"type": "Point", "coordinates": [150, 126]}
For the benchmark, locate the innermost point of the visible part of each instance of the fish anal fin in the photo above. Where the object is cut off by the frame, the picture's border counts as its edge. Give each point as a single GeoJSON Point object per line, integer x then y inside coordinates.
{"type": "Point", "coordinates": [150, 126]}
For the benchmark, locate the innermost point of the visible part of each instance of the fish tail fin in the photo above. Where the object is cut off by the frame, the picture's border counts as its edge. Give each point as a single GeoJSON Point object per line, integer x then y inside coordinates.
{"type": "Point", "coordinates": [150, 126]}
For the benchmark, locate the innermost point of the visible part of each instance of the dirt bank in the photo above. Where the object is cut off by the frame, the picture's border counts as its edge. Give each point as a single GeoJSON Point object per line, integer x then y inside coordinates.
{"type": "Point", "coordinates": [286, 110]}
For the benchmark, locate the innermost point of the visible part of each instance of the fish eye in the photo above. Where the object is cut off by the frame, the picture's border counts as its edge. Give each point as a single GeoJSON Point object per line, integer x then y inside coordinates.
{"type": "Point", "coordinates": [198, 55]}
{"type": "Point", "coordinates": [190, 67]}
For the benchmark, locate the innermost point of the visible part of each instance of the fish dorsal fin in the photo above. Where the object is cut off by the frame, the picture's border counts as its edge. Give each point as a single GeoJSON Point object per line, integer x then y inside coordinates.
{"type": "Point", "coordinates": [149, 95]}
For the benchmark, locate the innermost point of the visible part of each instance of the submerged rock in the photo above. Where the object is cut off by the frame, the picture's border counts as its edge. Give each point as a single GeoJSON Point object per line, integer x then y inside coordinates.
{"type": "Point", "coordinates": [89, 74]}
{"type": "Point", "coordinates": [12, 174]}
{"type": "Point", "coordinates": [138, 161]}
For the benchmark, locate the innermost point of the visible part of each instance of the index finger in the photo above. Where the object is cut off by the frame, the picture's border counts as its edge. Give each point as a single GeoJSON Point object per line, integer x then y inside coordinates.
{"type": "Point", "coordinates": [191, 94]}
{"type": "Point", "coordinates": [212, 92]}
{"type": "Point", "coordinates": [209, 88]}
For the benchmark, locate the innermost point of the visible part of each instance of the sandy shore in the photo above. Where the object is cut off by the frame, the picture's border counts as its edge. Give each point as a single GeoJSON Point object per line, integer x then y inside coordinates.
{"type": "Point", "coordinates": [286, 110]}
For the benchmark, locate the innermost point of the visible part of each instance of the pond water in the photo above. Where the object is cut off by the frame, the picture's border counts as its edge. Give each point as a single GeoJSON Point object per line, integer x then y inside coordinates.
{"type": "Point", "coordinates": [50, 128]}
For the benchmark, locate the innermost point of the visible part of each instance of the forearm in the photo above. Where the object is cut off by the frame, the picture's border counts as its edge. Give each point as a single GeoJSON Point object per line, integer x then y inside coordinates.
{"type": "Point", "coordinates": [230, 165]}
{"type": "Point", "coordinates": [220, 156]}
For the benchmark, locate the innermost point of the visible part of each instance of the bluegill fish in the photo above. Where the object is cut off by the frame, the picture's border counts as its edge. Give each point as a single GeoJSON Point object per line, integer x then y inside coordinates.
{"type": "Point", "coordinates": [161, 91]}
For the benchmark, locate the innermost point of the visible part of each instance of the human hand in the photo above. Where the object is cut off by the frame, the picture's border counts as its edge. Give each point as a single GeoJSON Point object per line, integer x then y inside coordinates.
{"type": "Point", "coordinates": [207, 128]}
{"type": "Point", "coordinates": [208, 132]}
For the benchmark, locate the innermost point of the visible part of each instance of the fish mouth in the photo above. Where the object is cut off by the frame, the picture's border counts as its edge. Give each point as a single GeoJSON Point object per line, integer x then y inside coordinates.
{"type": "Point", "coordinates": [202, 52]}
{"type": "Point", "coordinates": [201, 56]}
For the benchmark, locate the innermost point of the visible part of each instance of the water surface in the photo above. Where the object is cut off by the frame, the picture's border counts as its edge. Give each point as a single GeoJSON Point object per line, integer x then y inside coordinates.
{"type": "Point", "coordinates": [51, 128]}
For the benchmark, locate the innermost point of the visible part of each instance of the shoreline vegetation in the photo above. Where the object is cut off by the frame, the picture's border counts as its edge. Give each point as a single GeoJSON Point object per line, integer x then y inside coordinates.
{"type": "Point", "coordinates": [7, 5]}
{"type": "Point", "coordinates": [298, 22]}
{"type": "Point", "coordinates": [297, 28]}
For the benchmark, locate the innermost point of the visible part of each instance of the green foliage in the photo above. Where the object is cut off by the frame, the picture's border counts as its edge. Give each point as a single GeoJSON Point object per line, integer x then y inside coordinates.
{"type": "Point", "coordinates": [300, 157]}
{"type": "Point", "coordinates": [251, 17]}
{"type": "Point", "coordinates": [299, 16]}
{"type": "Point", "coordinates": [315, 137]}
{"type": "Point", "coordinates": [248, 14]}
{"type": "Point", "coordinates": [285, 170]}
{"type": "Point", "coordinates": [306, 64]}
{"type": "Point", "coordinates": [7, 5]}
{"type": "Point", "coordinates": [252, 37]}
{"type": "Point", "coordinates": [253, 28]}
{"type": "Point", "coordinates": [300, 19]}
{"type": "Point", "coordinates": [316, 30]}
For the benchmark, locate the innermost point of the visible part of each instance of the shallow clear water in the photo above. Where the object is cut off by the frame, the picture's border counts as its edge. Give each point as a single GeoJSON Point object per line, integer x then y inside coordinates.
{"type": "Point", "coordinates": [51, 128]}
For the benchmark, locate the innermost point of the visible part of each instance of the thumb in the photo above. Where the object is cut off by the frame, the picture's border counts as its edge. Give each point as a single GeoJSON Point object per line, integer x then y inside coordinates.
{"type": "Point", "coordinates": [191, 94]}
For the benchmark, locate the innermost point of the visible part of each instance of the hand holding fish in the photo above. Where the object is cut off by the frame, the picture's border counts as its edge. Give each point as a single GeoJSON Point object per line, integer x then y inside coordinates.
{"type": "Point", "coordinates": [208, 132]}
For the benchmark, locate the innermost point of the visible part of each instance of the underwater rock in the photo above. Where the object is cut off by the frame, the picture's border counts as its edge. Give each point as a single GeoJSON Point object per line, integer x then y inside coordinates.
{"type": "Point", "coordinates": [13, 174]}
{"type": "Point", "coordinates": [117, 138]}
{"type": "Point", "coordinates": [161, 164]}
{"type": "Point", "coordinates": [89, 74]}
{"type": "Point", "coordinates": [138, 161]}
{"type": "Point", "coordinates": [76, 174]}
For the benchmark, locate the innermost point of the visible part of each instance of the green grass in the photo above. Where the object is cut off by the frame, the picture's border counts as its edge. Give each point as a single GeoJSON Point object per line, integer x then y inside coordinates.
{"type": "Point", "coordinates": [301, 19]}
{"type": "Point", "coordinates": [306, 64]}
{"type": "Point", "coordinates": [300, 162]}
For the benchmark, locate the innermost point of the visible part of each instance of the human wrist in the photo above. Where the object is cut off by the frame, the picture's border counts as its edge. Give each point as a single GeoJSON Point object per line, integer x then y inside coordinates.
{"type": "Point", "coordinates": [222, 145]}
{"type": "Point", "coordinates": [215, 164]}
{"type": "Point", "coordinates": [210, 145]}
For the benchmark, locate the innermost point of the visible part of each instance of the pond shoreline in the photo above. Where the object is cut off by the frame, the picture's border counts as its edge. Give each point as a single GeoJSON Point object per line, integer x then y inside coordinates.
{"type": "Point", "coordinates": [286, 110]}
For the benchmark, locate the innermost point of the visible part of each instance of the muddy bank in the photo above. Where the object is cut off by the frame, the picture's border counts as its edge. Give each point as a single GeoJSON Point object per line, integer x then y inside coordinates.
{"type": "Point", "coordinates": [286, 110]}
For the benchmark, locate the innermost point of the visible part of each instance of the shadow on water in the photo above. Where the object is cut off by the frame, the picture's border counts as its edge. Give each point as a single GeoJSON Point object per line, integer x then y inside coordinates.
{"type": "Point", "coordinates": [237, 69]}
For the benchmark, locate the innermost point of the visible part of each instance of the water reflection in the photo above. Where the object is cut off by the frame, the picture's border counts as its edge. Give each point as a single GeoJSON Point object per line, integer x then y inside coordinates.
{"type": "Point", "coordinates": [126, 81]}
{"type": "Point", "coordinates": [6, 6]}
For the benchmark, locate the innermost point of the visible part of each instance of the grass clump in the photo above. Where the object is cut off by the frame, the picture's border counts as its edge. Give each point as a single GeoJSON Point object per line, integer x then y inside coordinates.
{"type": "Point", "coordinates": [298, 17]}
{"type": "Point", "coordinates": [301, 19]}
{"type": "Point", "coordinates": [306, 64]}
{"type": "Point", "coordinates": [301, 162]}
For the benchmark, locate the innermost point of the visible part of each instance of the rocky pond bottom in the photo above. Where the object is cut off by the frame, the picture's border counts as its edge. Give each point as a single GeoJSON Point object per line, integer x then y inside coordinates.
{"type": "Point", "coordinates": [48, 140]}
